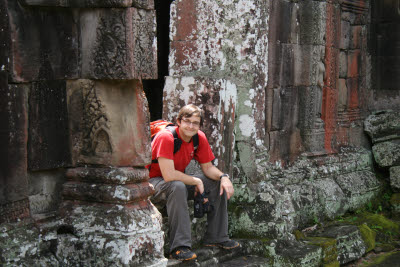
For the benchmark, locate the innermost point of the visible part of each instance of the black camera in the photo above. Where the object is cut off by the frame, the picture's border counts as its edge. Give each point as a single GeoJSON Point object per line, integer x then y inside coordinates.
{"type": "Point", "coordinates": [201, 208]}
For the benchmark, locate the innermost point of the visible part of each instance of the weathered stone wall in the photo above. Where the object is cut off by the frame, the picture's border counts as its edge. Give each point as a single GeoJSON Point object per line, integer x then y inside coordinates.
{"type": "Point", "coordinates": [74, 189]}
{"type": "Point", "coordinates": [286, 84]}
{"type": "Point", "coordinates": [218, 60]}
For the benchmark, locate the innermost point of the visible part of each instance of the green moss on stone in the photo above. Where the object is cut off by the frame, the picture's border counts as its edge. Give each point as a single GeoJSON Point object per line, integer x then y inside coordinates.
{"type": "Point", "coordinates": [299, 235]}
{"type": "Point", "coordinates": [368, 236]}
{"type": "Point", "coordinates": [328, 245]}
{"type": "Point", "coordinates": [380, 223]}
{"type": "Point", "coordinates": [335, 263]}
{"type": "Point", "coordinates": [380, 259]}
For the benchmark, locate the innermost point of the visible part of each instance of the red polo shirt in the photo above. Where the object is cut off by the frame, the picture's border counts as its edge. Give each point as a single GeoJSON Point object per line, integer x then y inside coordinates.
{"type": "Point", "coordinates": [163, 146]}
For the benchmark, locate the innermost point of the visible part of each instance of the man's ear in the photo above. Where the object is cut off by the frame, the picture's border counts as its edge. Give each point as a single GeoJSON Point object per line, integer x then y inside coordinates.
{"type": "Point", "coordinates": [178, 121]}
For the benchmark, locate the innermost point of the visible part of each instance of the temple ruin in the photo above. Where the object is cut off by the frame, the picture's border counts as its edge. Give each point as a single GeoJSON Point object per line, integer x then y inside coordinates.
{"type": "Point", "coordinates": [301, 101]}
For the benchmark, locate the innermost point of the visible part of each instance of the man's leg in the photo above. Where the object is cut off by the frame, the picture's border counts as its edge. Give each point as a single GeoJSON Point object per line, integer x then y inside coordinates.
{"type": "Point", "coordinates": [175, 195]}
{"type": "Point", "coordinates": [217, 219]}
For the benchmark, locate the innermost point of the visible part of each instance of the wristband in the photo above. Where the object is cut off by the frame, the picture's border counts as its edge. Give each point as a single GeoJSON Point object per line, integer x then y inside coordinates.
{"type": "Point", "coordinates": [224, 175]}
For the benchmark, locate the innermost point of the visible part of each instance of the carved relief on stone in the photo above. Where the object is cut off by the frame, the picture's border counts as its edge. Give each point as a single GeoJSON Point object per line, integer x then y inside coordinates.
{"type": "Point", "coordinates": [146, 4]}
{"type": "Point", "coordinates": [118, 43]}
{"type": "Point", "coordinates": [43, 43]}
{"type": "Point", "coordinates": [310, 122]}
{"type": "Point", "coordinates": [96, 137]}
{"type": "Point", "coordinates": [104, 119]}
{"type": "Point", "coordinates": [355, 6]}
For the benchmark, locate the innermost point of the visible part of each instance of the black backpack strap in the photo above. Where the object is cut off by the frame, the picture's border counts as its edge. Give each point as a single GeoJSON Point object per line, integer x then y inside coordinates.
{"type": "Point", "coordinates": [195, 141]}
{"type": "Point", "coordinates": [177, 141]}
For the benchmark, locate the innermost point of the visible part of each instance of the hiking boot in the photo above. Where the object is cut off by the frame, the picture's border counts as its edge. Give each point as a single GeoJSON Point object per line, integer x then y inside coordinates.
{"type": "Point", "coordinates": [183, 254]}
{"type": "Point", "coordinates": [229, 244]}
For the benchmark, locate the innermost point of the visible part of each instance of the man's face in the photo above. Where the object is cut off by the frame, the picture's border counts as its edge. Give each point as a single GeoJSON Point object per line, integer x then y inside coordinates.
{"type": "Point", "coordinates": [189, 126]}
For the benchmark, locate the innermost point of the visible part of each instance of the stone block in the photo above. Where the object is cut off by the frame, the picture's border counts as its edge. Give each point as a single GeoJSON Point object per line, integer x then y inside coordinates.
{"type": "Point", "coordinates": [350, 245]}
{"type": "Point", "coordinates": [387, 153]}
{"type": "Point", "coordinates": [312, 22]}
{"type": "Point", "coordinates": [328, 246]}
{"type": "Point", "coordinates": [118, 44]}
{"type": "Point", "coordinates": [383, 125]}
{"type": "Point", "coordinates": [353, 91]}
{"type": "Point", "coordinates": [13, 142]}
{"type": "Point", "coordinates": [106, 193]}
{"type": "Point", "coordinates": [345, 35]}
{"type": "Point", "coordinates": [218, 99]}
{"type": "Point", "coordinates": [145, 4]}
{"type": "Point", "coordinates": [343, 95]}
{"type": "Point", "coordinates": [197, 48]}
{"type": "Point", "coordinates": [285, 99]}
{"type": "Point", "coordinates": [395, 178]}
{"type": "Point", "coordinates": [359, 188]}
{"type": "Point", "coordinates": [343, 64]}
{"type": "Point", "coordinates": [354, 63]}
{"type": "Point", "coordinates": [293, 253]}
{"type": "Point", "coordinates": [45, 191]}
{"type": "Point", "coordinates": [356, 15]}
{"type": "Point", "coordinates": [118, 176]}
{"type": "Point", "coordinates": [310, 105]}
{"type": "Point", "coordinates": [111, 235]}
{"type": "Point", "coordinates": [185, 20]}
{"type": "Point", "coordinates": [368, 235]}
{"type": "Point", "coordinates": [287, 62]}
{"type": "Point", "coordinates": [308, 68]}
{"type": "Point", "coordinates": [331, 197]}
{"type": "Point", "coordinates": [104, 118]}
{"type": "Point", "coordinates": [280, 29]}
{"type": "Point", "coordinates": [19, 244]}
{"type": "Point", "coordinates": [356, 37]}
{"type": "Point", "coordinates": [48, 140]}
{"type": "Point", "coordinates": [43, 43]}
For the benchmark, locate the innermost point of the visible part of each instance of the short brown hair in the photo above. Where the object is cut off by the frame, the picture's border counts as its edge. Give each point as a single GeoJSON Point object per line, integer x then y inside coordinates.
{"type": "Point", "coordinates": [189, 111]}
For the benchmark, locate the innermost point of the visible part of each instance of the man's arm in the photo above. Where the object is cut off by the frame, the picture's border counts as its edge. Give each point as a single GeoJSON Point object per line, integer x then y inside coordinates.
{"type": "Point", "coordinates": [214, 173]}
{"type": "Point", "coordinates": [170, 174]}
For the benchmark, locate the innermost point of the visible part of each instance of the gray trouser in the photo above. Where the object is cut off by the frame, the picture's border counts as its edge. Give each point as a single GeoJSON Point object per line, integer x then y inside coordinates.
{"type": "Point", "coordinates": [175, 195]}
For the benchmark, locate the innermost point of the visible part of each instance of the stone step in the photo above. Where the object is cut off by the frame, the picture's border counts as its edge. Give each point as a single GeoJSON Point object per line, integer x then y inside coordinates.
{"type": "Point", "coordinates": [249, 261]}
{"type": "Point", "coordinates": [337, 244]}
{"type": "Point", "coordinates": [209, 257]}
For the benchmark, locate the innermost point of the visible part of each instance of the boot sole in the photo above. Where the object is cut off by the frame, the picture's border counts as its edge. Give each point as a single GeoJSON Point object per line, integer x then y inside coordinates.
{"type": "Point", "coordinates": [221, 246]}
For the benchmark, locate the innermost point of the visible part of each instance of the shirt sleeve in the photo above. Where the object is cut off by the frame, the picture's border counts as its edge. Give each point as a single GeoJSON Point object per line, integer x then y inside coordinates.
{"type": "Point", "coordinates": [203, 153]}
{"type": "Point", "coordinates": [163, 145]}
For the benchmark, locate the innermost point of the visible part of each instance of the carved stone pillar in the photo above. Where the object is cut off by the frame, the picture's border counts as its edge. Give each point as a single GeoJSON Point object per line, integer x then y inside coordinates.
{"type": "Point", "coordinates": [352, 84]}
{"type": "Point", "coordinates": [73, 69]}
{"type": "Point", "coordinates": [106, 210]}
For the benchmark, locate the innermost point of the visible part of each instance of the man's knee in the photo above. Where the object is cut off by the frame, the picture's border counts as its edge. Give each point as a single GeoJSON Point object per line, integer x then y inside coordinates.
{"type": "Point", "coordinates": [178, 188]}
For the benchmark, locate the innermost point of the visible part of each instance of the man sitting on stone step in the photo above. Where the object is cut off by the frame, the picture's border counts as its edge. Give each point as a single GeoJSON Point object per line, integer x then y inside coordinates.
{"type": "Point", "coordinates": [174, 187]}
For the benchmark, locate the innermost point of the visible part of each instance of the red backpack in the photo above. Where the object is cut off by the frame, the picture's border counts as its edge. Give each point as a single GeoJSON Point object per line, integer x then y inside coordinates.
{"type": "Point", "coordinates": [159, 125]}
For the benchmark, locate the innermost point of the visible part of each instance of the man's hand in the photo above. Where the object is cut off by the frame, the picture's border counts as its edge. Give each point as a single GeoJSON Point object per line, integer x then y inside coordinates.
{"type": "Point", "coordinates": [226, 185]}
{"type": "Point", "coordinates": [199, 185]}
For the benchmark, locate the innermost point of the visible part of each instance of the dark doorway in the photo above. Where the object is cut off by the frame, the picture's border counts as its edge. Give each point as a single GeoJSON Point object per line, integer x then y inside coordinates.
{"type": "Point", "coordinates": [154, 88]}
{"type": "Point", "coordinates": [385, 44]}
